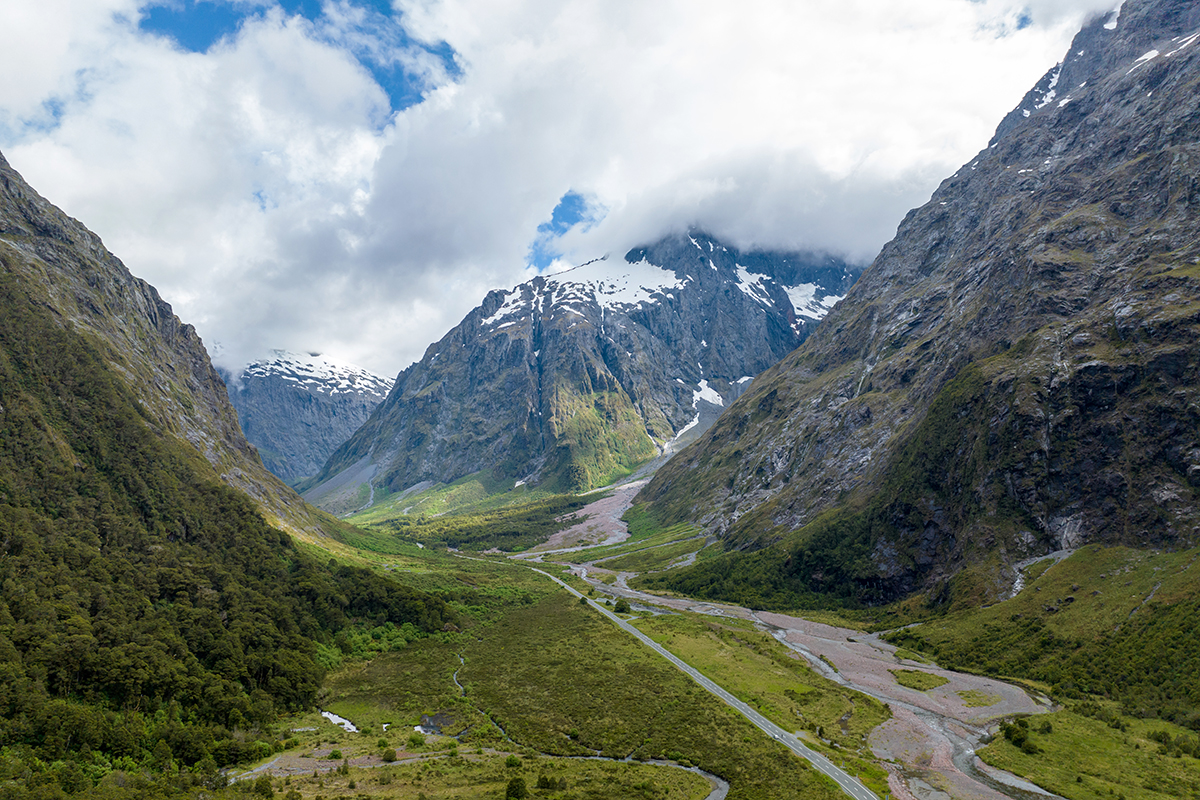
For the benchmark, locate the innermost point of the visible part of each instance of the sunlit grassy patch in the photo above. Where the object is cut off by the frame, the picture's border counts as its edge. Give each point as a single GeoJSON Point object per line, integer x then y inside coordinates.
{"type": "Point", "coordinates": [976, 699]}
{"type": "Point", "coordinates": [916, 679]}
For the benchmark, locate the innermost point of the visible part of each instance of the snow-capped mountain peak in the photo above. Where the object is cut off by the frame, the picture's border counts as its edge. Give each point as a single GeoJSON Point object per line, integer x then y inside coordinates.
{"type": "Point", "coordinates": [314, 372]}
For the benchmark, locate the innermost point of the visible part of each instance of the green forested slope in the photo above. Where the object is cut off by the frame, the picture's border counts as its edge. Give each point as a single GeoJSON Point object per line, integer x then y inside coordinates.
{"type": "Point", "coordinates": [147, 612]}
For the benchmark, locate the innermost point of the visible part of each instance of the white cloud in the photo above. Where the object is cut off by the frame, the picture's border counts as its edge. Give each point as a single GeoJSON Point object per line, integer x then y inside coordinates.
{"type": "Point", "coordinates": [264, 188]}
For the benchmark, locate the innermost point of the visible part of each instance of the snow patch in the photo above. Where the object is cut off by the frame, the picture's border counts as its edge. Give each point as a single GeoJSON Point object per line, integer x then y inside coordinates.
{"type": "Point", "coordinates": [1142, 60]}
{"type": "Point", "coordinates": [1050, 94]}
{"type": "Point", "coordinates": [687, 428]}
{"type": "Point", "coordinates": [1114, 15]}
{"type": "Point", "coordinates": [804, 300]}
{"type": "Point", "coordinates": [1185, 43]}
{"type": "Point", "coordinates": [752, 286]}
{"type": "Point", "coordinates": [707, 394]}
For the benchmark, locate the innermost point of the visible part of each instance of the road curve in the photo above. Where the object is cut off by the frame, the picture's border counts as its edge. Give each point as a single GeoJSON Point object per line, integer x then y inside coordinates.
{"type": "Point", "coordinates": [846, 782]}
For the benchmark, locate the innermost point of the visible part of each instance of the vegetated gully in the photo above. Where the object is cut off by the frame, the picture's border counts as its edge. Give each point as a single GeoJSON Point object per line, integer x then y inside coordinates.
{"type": "Point", "coordinates": [928, 747]}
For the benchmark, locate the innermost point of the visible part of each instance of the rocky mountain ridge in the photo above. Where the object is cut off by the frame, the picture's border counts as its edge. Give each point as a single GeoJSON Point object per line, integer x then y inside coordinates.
{"type": "Point", "coordinates": [1015, 373]}
{"type": "Point", "coordinates": [297, 408]}
{"type": "Point", "coordinates": [572, 379]}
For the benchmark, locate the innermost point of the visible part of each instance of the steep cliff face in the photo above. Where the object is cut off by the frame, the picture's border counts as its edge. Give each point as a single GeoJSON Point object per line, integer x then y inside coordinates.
{"type": "Point", "coordinates": [573, 379]}
{"type": "Point", "coordinates": [297, 408]}
{"type": "Point", "coordinates": [161, 359]}
{"type": "Point", "coordinates": [1017, 371]}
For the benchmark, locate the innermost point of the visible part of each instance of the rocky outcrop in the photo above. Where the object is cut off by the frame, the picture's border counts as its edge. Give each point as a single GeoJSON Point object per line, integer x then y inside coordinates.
{"type": "Point", "coordinates": [161, 358]}
{"type": "Point", "coordinates": [297, 408]}
{"type": "Point", "coordinates": [573, 379]}
{"type": "Point", "coordinates": [1017, 371]}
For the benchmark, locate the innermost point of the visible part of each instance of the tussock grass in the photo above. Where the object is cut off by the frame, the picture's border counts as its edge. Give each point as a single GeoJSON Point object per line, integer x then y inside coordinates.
{"type": "Point", "coordinates": [916, 679]}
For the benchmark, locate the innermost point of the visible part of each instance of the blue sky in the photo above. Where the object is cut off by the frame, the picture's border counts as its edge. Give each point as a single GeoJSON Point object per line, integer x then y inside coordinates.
{"type": "Point", "coordinates": [196, 25]}
{"type": "Point", "coordinates": [572, 209]}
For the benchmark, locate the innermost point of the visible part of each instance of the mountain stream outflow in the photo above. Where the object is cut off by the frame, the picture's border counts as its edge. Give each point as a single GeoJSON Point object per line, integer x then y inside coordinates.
{"type": "Point", "coordinates": [928, 747]}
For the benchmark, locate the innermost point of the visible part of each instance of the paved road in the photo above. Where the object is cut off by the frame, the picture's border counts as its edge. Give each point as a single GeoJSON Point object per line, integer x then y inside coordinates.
{"type": "Point", "coordinates": [845, 782]}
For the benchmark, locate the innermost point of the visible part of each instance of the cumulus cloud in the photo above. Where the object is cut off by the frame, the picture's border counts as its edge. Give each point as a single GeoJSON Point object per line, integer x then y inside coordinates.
{"type": "Point", "coordinates": [270, 191]}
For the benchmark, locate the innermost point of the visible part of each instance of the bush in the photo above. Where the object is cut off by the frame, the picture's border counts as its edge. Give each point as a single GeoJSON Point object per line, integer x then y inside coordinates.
{"type": "Point", "coordinates": [388, 755]}
{"type": "Point", "coordinates": [622, 606]}
{"type": "Point", "coordinates": [512, 762]}
{"type": "Point", "coordinates": [416, 740]}
{"type": "Point", "coordinates": [516, 790]}
{"type": "Point", "coordinates": [335, 754]}
{"type": "Point", "coordinates": [262, 787]}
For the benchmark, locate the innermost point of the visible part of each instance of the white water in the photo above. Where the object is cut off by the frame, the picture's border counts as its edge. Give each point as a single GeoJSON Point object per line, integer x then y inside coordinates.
{"type": "Point", "coordinates": [336, 720]}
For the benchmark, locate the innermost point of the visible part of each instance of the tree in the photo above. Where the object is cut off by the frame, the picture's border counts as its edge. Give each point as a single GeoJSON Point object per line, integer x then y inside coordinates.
{"type": "Point", "coordinates": [516, 790]}
{"type": "Point", "coordinates": [622, 606]}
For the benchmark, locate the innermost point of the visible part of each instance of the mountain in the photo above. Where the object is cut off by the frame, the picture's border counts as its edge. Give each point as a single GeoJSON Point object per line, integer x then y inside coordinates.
{"type": "Point", "coordinates": [571, 380]}
{"type": "Point", "coordinates": [1016, 373]}
{"type": "Point", "coordinates": [160, 358]}
{"type": "Point", "coordinates": [297, 408]}
{"type": "Point", "coordinates": [150, 617]}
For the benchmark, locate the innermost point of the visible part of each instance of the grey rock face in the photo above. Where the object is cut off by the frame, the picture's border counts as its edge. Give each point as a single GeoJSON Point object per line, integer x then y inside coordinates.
{"type": "Point", "coordinates": [1032, 329]}
{"type": "Point", "coordinates": [297, 408]}
{"type": "Point", "coordinates": [573, 379]}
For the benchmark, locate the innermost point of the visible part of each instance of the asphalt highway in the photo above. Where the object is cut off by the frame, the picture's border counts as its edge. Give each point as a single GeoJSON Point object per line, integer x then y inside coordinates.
{"type": "Point", "coordinates": [846, 782]}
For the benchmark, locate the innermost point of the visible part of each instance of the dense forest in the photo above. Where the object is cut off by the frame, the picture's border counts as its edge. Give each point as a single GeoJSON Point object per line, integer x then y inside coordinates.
{"type": "Point", "coordinates": [149, 617]}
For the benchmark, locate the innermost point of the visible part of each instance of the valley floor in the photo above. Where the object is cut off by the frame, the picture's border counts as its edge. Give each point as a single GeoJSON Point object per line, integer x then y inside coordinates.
{"type": "Point", "coordinates": [929, 744]}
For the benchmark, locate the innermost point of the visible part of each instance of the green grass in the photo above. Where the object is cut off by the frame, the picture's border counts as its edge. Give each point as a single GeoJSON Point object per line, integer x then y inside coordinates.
{"type": "Point", "coordinates": [653, 557]}
{"type": "Point", "coordinates": [909, 655]}
{"type": "Point", "coordinates": [509, 528]}
{"type": "Point", "coordinates": [555, 678]}
{"type": "Point", "coordinates": [467, 776]}
{"type": "Point", "coordinates": [915, 679]}
{"type": "Point", "coordinates": [475, 493]}
{"type": "Point", "coordinates": [1083, 758]}
{"type": "Point", "coordinates": [1114, 623]}
{"type": "Point", "coordinates": [780, 685]}
{"type": "Point", "coordinates": [976, 699]}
